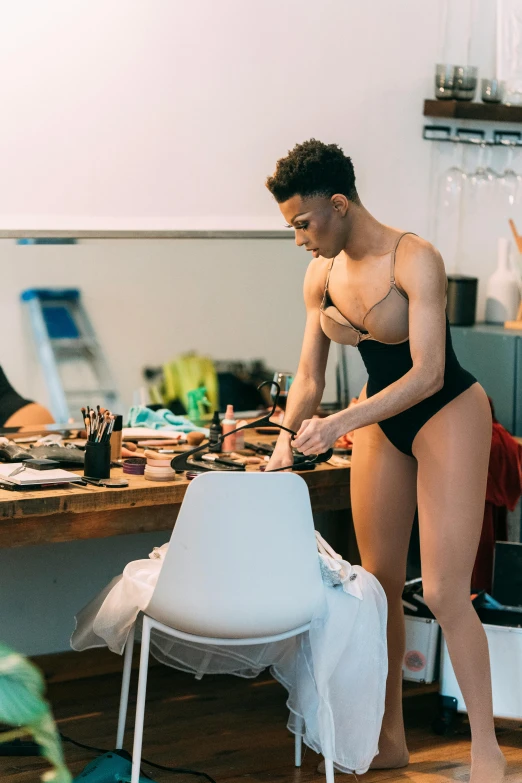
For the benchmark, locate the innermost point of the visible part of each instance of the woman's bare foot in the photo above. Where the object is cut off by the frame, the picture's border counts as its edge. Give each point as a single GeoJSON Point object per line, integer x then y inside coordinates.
{"type": "Point", "coordinates": [488, 767]}
{"type": "Point", "coordinates": [389, 758]}
{"type": "Point", "coordinates": [393, 753]}
{"type": "Point", "coordinates": [392, 757]}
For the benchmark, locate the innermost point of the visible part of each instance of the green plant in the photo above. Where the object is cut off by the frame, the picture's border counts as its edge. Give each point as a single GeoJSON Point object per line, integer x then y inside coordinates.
{"type": "Point", "coordinates": [22, 705]}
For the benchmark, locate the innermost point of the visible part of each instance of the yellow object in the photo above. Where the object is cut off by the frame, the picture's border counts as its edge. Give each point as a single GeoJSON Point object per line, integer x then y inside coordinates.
{"type": "Point", "coordinates": [185, 373]}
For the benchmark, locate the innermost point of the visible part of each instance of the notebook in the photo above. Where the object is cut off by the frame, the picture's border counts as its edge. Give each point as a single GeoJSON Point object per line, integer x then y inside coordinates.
{"type": "Point", "coordinates": [30, 477]}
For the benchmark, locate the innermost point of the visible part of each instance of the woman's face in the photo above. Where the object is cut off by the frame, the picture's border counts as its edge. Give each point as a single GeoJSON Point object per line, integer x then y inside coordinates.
{"type": "Point", "coordinates": [318, 223]}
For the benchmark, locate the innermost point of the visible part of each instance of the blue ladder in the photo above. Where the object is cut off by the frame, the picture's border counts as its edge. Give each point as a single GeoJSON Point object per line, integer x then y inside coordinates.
{"type": "Point", "coordinates": [74, 366]}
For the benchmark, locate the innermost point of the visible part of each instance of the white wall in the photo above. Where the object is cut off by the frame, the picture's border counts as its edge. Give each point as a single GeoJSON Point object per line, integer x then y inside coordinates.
{"type": "Point", "coordinates": [170, 114]}
{"type": "Point", "coordinates": [151, 300]}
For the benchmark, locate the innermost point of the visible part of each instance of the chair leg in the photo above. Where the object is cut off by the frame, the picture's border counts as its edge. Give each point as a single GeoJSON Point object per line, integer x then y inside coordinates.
{"type": "Point", "coordinates": [125, 683]}
{"type": "Point", "coordinates": [299, 741]}
{"type": "Point", "coordinates": [298, 746]}
{"type": "Point", "coordinates": [329, 769]}
{"type": "Point", "coordinates": [140, 704]}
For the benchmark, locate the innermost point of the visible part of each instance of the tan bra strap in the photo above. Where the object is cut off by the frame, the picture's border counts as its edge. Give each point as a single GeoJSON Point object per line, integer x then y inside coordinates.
{"type": "Point", "coordinates": [328, 278]}
{"type": "Point", "coordinates": [392, 267]}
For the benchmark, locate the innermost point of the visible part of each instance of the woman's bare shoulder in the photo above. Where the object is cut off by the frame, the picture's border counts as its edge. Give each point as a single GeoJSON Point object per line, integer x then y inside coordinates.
{"type": "Point", "coordinates": [419, 260]}
{"type": "Point", "coordinates": [412, 246]}
{"type": "Point", "coordinates": [315, 281]}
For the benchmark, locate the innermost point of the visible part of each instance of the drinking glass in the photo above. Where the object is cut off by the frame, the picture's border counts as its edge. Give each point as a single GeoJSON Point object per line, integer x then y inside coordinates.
{"type": "Point", "coordinates": [465, 83]}
{"type": "Point", "coordinates": [492, 90]}
{"type": "Point", "coordinates": [444, 81]}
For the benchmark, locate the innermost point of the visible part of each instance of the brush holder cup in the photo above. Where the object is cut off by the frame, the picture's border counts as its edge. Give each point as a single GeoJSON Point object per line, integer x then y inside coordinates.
{"type": "Point", "coordinates": [97, 460]}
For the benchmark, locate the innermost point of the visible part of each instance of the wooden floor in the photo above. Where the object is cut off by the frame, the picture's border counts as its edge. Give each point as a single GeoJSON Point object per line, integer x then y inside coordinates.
{"type": "Point", "coordinates": [232, 729]}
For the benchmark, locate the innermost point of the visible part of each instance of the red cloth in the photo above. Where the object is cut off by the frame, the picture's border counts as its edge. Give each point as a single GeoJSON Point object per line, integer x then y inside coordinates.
{"type": "Point", "coordinates": [503, 490]}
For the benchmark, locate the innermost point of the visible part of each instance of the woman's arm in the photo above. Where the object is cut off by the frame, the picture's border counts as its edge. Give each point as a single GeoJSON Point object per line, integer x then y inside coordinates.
{"type": "Point", "coordinates": [422, 276]}
{"type": "Point", "coordinates": [307, 388]}
{"type": "Point", "coordinates": [32, 413]}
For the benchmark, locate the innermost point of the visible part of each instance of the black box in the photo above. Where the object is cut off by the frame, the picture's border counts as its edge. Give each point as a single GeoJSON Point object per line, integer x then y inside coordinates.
{"type": "Point", "coordinates": [507, 573]}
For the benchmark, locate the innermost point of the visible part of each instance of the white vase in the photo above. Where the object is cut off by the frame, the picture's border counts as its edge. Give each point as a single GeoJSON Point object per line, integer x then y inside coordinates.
{"type": "Point", "coordinates": [503, 294]}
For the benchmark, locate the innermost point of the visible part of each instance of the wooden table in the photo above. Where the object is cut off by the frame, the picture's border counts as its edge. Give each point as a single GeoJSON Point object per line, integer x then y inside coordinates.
{"type": "Point", "coordinates": [82, 512]}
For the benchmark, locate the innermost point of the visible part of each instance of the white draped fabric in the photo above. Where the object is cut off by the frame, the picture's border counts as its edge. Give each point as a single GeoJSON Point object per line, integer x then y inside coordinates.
{"type": "Point", "coordinates": [335, 673]}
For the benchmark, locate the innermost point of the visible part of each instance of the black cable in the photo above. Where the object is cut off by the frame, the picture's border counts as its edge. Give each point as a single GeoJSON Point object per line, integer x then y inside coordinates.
{"type": "Point", "coordinates": [175, 770]}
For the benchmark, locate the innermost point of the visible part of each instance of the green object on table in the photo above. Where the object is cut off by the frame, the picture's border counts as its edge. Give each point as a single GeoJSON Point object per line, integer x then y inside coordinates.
{"type": "Point", "coordinates": [22, 705]}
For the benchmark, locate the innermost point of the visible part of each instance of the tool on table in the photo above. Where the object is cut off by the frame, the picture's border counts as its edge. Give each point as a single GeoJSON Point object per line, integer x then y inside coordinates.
{"type": "Point", "coordinates": [36, 464]}
{"type": "Point", "coordinates": [68, 456]}
{"type": "Point", "coordinates": [222, 460]}
{"type": "Point", "coordinates": [11, 452]}
{"type": "Point", "coordinates": [109, 483]}
{"type": "Point", "coordinates": [68, 350]}
{"type": "Point", "coordinates": [183, 462]}
{"type": "Point", "coordinates": [260, 448]}
{"type": "Point", "coordinates": [17, 470]}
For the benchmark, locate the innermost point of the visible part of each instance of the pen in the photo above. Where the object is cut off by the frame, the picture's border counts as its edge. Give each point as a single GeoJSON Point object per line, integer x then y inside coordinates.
{"type": "Point", "coordinates": [17, 470]}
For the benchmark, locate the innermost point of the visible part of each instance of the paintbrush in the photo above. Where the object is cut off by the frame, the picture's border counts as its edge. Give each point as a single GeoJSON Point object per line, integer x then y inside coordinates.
{"type": "Point", "coordinates": [86, 422]}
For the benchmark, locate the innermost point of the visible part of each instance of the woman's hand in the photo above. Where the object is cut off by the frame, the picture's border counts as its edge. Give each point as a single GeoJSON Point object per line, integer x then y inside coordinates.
{"type": "Point", "coordinates": [282, 456]}
{"type": "Point", "coordinates": [316, 435]}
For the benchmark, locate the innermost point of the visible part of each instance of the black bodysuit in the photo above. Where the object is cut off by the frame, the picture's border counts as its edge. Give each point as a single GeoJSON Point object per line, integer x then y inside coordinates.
{"type": "Point", "coordinates": [10, 400]}
{"type": "Point", "coordinates": [387, 360]}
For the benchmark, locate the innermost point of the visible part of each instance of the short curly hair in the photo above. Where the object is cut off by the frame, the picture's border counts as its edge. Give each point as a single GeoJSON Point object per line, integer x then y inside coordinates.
{"type": "Point", "coordinates": [313, 169]}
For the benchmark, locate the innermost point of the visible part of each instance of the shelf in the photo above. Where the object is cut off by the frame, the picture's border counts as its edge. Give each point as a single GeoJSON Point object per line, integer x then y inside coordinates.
{"type": "Point", "coordinates": [466, 110]}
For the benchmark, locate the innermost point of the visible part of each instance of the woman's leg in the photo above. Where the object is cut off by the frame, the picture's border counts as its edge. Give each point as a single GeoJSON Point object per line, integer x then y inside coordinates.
{"type": "Point", "coordinates": [452, 450]}
{"type": "Point", "coordinates": [383, 491]}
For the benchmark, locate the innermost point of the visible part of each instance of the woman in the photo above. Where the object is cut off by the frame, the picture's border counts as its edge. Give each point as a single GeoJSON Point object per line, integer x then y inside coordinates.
{"type": "Point", "coordinates": [423, 424]}
{"type": "Point", "coordinates": [15, 411]}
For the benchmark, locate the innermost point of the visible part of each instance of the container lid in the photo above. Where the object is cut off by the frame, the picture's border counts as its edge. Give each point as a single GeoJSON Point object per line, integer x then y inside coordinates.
{"type": "Point", "coordinates": [462, 278]}
{"type": "Point", "coordinates": [118, 423]}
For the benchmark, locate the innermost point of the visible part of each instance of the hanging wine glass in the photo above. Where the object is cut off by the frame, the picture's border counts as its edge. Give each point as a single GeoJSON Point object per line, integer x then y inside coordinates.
{"type": "Point", "coordinates": [480, 186]}
{"type": "Point", "coordinates": [509, 185]}
{"type": "Point", "coordinates": [478, 238]}
{"type": "Point", "coordinates": [483, 176]}
{"type": "Point", "coordinates": [448, 209]}
{"type": "Point", "coordinates": [488, 159]}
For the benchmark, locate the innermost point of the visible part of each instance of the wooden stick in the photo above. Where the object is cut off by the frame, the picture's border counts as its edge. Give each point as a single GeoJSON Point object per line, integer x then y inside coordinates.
{"type": "Point", "coordinates": [518, 238]}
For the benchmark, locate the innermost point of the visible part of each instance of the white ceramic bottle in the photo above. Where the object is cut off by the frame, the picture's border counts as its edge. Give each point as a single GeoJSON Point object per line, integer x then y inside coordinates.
{"type": "Point", "coordinates": [503, 293]}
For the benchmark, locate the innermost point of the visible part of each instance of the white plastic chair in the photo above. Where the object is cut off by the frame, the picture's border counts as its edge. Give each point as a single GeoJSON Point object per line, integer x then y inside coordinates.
{"type": "Point", "coordinates": [241, 568]}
